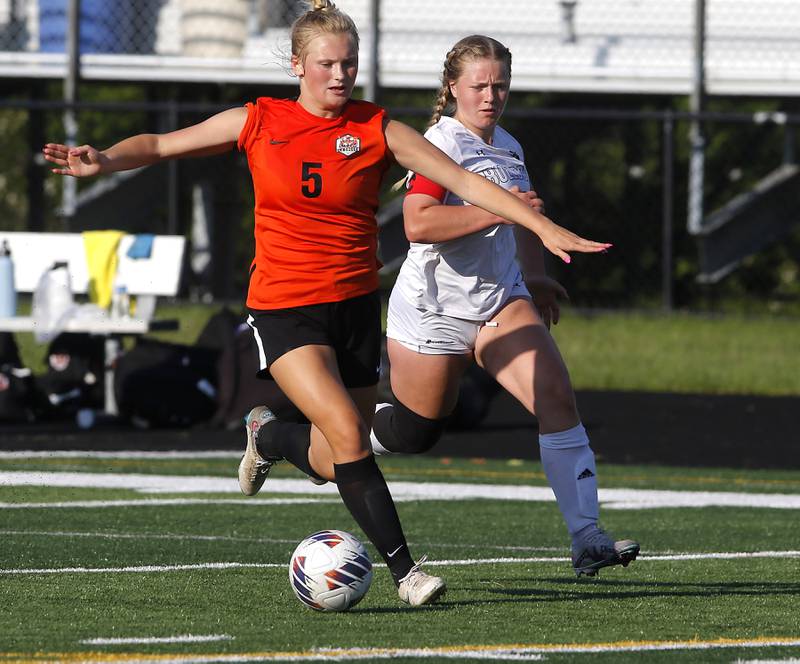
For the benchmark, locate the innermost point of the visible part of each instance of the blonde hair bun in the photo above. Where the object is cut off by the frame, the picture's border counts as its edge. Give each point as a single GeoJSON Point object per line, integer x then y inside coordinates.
{"type": "Point", "coordinates": [322, 18]}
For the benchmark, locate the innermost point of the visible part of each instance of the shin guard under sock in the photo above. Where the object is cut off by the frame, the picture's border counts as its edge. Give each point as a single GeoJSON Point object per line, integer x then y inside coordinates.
{"type": "Point", "coordinates": [366, 496]}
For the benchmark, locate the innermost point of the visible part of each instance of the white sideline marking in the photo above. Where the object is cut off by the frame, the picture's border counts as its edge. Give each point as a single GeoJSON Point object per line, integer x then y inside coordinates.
{"type": "Point", "coordinates": [401, 491]}
{"type": "Point", "coordinates": [432, 563]}
{"type": "Point", "coordinates": [183, 638]}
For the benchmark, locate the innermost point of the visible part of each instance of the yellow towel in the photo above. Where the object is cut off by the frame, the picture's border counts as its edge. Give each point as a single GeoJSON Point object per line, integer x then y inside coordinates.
{"type": "Point", "coordinates": [101, 259]}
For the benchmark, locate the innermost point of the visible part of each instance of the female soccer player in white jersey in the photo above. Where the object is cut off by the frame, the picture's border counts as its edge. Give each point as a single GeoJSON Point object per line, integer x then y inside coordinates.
{"type": "Point", "coordinates": [461, 295]}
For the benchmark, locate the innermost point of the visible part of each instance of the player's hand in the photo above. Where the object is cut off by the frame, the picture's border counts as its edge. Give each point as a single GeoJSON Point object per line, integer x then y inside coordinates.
{"type": "Point", "coordinates": [560, 241]}
{"type": "Point", "coordinates": [535, 202]}
{"type": "Point", "coordinates": [79, 162]}
{"type": "Point", "coordinates": [546, 293]}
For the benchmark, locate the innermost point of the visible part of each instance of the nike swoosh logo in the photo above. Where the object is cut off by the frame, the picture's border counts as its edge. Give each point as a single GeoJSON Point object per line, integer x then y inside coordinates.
{"type": "Point", "coordinates": [273, 141]}
{"type": "Point", "coordinates": [395, 551]}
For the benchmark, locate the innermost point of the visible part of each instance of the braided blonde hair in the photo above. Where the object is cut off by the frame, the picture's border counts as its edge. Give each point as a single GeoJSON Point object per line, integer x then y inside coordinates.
{"type": "Point", "coordinates": [469, 49]}
{"type": "Point", "coordinates": [322, 17]}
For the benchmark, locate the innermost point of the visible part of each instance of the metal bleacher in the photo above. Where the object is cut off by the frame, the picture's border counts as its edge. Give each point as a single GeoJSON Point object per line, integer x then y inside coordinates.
{"type": "Point", "coordinates": [626, 46]}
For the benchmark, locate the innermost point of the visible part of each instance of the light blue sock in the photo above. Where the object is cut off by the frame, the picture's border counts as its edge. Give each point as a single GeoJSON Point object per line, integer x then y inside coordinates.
{"type": "Point", "coordinates": [568, 462]}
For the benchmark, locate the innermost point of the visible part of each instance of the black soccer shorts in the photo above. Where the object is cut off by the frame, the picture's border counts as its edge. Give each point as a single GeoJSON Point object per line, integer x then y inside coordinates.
{"type": "Point", "coordinates": [351, 327]}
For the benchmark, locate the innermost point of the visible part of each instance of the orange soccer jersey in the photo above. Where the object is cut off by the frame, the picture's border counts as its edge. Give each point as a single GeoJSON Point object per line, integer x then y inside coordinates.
{"type": "Point", "coordinates": [316, 183]}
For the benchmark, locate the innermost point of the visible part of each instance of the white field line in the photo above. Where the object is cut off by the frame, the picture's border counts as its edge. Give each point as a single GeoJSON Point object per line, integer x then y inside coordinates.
{"type": "Point", "coordinates": [147, 569]}
{"type": "Point", "coordinates": [147, 536]}
{"type": "Point", "coordinates": [269, 540]}
{"type": "Point", "coordinates": [402, 491]}
{"type": "Point", "coordinates": [141, 569]}
{"type": "Point", "coordinates": [159, 502]}
{"type": "Point", "coordinates": [182, 638]}
{"type": "Point", "coordinates": [515, 652]}
{"type": "Point", "coordinates": [129, 454]}
{"type": "Point", "coordinates": [258, 540]}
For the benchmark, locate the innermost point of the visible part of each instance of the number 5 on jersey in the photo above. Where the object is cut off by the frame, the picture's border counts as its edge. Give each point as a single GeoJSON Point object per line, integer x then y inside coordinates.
{"type": "Point", "coordinates": [312, 179]}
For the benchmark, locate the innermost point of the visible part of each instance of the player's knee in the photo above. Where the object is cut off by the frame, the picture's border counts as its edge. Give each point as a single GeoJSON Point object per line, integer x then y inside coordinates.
{"type": "Point", "coordinates": [400, 429]}
{"type": "Point", "coordinates": [345, 433]}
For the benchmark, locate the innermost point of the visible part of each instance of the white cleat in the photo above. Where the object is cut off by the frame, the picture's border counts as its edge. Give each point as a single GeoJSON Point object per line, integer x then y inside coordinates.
{"type": "Point", "coordinates": [253, 468]}
{"type": "Point", "coordinates": [417, 588]}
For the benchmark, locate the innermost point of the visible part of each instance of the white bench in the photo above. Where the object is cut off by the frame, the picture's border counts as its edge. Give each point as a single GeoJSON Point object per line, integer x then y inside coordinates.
{"type": "Point", "coordinates": [144, 278]}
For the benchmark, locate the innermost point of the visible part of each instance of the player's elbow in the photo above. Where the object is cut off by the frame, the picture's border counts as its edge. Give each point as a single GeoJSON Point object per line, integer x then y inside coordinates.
{"type": "Point", "coordinates": [160, 147]}
{"type": "Point", "coordinates": [416, 219]}
{"type": "Point", "coordinates": [413, 231]}
{"type": "Point", "coordinates": [416, 227]}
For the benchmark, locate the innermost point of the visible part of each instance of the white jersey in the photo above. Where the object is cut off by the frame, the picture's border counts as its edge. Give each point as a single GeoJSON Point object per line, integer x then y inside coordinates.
{"type": "Point", "coordinates": [469, 277]}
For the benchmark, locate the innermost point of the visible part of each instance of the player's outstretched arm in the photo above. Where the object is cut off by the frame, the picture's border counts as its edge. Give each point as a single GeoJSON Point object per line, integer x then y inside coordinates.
{"type": "Point", "coordinates": [218, 133]}
{"type": "Point", "coordinates": [427, 219]}
{"type": "Point", "coordinates": [415, 153]}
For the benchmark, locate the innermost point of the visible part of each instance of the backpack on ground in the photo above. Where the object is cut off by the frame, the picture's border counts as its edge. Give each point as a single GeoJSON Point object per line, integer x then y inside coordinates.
{"type": "Point", "coordinates": [240, 389]}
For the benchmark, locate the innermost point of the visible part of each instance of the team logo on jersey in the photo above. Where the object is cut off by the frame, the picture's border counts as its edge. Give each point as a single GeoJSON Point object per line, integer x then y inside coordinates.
{"type": "Point", "coordinates": [348, 145]}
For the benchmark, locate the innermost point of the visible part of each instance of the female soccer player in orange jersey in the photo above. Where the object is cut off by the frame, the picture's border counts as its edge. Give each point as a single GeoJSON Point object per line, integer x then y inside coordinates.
{"type": "Point", "coordinates": [317, 163]}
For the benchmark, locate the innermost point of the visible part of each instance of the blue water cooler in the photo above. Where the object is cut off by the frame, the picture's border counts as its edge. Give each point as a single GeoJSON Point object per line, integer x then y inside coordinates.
{"type": "Point", "coordinates": [103, 24]}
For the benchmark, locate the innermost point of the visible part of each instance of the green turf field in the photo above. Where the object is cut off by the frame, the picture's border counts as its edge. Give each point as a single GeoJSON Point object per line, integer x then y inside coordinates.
{"type": "Point", "coordinates": [124, 558]}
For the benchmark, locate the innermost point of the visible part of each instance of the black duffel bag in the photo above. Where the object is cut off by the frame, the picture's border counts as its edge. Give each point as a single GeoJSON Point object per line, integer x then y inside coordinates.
{"type": "Point", "coordinates": [160, 384]}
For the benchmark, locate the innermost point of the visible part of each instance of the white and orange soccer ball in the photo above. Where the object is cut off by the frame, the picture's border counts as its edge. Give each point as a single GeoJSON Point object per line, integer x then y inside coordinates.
{"type": "Point", "coordinates": [330, 571]}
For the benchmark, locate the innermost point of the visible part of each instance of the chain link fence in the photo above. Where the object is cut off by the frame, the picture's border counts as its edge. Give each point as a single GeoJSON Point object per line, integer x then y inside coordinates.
{"type": "Point", "coordinates": [613, 176]}
{"type": "Point", "coordinates": [618, 175]}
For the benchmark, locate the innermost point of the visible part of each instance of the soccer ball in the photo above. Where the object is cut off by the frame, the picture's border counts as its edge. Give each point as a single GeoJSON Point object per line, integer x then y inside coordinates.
{"type": "Point", "coordinates": [330, 571]}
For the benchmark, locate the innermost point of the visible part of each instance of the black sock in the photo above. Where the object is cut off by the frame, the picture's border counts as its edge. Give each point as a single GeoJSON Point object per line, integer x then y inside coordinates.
{"type": "Point", "coordinates": [288, 440]}
{"type": "Point", "coordinates": [365, 494]}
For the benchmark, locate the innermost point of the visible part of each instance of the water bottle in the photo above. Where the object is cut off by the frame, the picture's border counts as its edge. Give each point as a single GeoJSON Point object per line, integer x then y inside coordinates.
{"type": "Point", "coordinates": [8, 292]}
{"type": "Point", "coordinates": [120, 303]}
